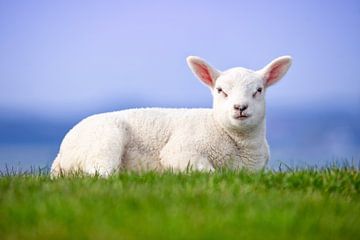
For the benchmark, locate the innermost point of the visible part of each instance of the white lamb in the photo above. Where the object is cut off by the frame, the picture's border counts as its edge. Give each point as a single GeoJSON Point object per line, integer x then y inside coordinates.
{"type": "Point", "coordinates": [231, 134]}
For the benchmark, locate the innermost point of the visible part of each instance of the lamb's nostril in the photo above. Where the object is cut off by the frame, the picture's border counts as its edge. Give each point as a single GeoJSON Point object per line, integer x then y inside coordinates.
{"type": "Point", "coordinates": [240, 107]}
{"type": "Point", "coordinates": [243, 107]}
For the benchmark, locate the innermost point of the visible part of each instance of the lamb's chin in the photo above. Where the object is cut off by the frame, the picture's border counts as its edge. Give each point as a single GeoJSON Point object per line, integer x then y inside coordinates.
{"type": "Point", "coordinates": [243, 124]}
{"type": "Point", "coordinates": [238, 124]}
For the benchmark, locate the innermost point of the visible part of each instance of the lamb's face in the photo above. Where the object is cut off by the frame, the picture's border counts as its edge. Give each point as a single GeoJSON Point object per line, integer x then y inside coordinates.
{"type": "Point", "coordinates": [239, 93]}
{"type": "Point", "coordinates": [239, 98]}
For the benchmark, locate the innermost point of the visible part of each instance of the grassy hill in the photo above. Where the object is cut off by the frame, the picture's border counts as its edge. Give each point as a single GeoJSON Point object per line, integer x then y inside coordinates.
{"type": "Point", "coordinates": [306, 204]}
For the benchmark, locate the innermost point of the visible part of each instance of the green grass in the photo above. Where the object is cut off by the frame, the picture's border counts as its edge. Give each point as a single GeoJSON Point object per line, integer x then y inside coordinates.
{"type": "Point", "coordinates": [308, 204]}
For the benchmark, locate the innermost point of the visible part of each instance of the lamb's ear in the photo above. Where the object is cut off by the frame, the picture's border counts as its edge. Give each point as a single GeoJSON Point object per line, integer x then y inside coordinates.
{"type": "Point", "coordinates": [202, 70]}
{"type": "Point", "coordinates": [275, 70]}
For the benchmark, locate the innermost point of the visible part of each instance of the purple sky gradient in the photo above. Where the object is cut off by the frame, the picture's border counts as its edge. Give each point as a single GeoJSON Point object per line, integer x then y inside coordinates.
{"type": "Point", "coordinates": [62, 57]}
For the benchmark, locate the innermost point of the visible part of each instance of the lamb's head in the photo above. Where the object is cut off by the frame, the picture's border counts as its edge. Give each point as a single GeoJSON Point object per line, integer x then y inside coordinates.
{"type": "Point", "coordinates": [239, 93]}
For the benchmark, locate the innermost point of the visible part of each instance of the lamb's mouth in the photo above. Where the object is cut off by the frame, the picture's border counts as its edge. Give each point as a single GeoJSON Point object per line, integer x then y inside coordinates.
{"type": "Point", "coordinates": [241, 116]}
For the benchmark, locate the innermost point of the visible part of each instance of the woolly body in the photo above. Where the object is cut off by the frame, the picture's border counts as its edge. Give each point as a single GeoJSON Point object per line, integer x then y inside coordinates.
{"type": "Point", "coordinates": [151, 139]}
{"type": "Point", "coordinates": [228, 135]}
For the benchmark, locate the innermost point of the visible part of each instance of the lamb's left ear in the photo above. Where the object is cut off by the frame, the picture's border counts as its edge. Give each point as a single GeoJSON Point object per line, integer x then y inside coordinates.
{"type": "Point", "coordinates": [275, 70]}
{"type": "Point", "coordinates": [206, 73]}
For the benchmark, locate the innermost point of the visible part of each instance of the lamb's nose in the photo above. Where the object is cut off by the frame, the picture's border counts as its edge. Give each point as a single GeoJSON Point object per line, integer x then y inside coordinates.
{"type": "Point", "coordinates": [240, 107]}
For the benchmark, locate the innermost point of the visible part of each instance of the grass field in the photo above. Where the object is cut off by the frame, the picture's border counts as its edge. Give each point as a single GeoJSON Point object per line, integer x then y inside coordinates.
{"type": "Point", "coordinates": [305, 204]}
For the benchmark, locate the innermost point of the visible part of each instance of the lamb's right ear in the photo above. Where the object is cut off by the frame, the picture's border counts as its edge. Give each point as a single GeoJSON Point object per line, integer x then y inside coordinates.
{"type": "Point", "coordinates": [202, 70]}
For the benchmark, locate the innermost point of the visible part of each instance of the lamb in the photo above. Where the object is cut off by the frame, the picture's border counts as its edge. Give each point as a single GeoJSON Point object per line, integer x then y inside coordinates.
{"type": "Point", "coordinates": [230, 135]}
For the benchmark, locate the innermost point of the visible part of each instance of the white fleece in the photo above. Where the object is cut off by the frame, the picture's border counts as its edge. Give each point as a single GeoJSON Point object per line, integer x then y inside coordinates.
{"type": "Point", "coordinates": [178, 139]}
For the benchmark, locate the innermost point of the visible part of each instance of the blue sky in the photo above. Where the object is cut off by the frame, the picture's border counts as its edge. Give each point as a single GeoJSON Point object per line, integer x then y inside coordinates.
{"type": "Point", "coordinates": [75, 57]}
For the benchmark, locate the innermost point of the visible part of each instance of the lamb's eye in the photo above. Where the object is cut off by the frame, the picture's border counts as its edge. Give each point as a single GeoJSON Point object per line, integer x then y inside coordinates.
{"type": "Point", "coordinates": [221, 91]}
{"type": "Point", "coordinates": [258, 91]}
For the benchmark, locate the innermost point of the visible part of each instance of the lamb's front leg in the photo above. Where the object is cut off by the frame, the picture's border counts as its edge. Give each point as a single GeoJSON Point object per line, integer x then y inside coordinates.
{"type": "Point", "coordinates": [179, 160]}
{"type": "Point", "coordinates": [203, 164]}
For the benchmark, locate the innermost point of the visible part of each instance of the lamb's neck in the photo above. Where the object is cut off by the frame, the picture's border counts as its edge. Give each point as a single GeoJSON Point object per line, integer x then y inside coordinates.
{"type": "Point", "coordinates": [255, 135]}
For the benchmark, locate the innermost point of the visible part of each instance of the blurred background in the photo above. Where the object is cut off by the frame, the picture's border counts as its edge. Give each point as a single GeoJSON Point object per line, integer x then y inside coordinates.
{"type": "Point", "coordinates": [61, 61]}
